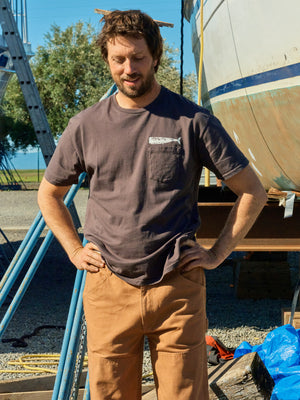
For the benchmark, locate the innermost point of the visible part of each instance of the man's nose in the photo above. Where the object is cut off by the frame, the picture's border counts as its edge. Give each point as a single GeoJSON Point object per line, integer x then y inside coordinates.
{"type": "Point", "coordinates": [129, 67]}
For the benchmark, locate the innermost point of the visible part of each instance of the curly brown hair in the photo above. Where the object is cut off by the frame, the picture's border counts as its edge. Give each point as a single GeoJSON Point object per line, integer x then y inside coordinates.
{"type": "Point", "coordinates": [131, 23]}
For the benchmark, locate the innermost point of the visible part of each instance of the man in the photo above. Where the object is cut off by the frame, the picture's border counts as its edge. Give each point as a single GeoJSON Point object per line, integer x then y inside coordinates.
{"type": "Point", "coordinates": [143, 150]}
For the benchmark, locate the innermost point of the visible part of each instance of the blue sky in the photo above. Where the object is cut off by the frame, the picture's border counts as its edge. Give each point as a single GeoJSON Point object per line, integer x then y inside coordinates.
{"type": "Point", "coordinates": [41, 14]}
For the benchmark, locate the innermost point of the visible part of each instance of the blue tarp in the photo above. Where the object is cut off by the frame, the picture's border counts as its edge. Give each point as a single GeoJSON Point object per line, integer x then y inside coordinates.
{"type": "Point", "coordinates": [280, 353]}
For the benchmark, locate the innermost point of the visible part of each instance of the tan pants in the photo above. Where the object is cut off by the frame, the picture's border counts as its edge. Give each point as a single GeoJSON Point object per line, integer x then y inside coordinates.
{"type": "Point", "coordinates": [171, 314]}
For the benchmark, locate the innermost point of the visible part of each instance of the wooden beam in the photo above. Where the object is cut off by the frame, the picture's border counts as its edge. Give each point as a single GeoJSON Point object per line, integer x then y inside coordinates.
{"type": "Point", "coordinates": [244, 378]}
{"type": "Point", "coordinates": [151, 395]}
{"type": "Point", "coordinates": [265, 244]}
{"type": "Point", "coordinates": [274, 193]}
{"type": "Point", "coordinates": [270, 232]}
{"type": "Point", "coordinates": [40, 388]}
{"type": "Point", "coordinates": [33, 383]}
{"type": "Point", "coordinates": [159, 23]}
{"type": "Point", "coordinates": [36, 395]}
{"type": "Point", "coordinates": [148, 394]}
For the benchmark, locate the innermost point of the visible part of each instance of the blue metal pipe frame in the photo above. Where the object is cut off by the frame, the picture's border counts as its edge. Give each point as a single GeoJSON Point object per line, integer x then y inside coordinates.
{"type": "Point", "coordinates": [68, 332]}
{"type": "Point", "coordinates": [70, 358]}
{"type": "Point", "coordinates": [35, 264]}
{"type": "Point", "coordinates": [20, 257]}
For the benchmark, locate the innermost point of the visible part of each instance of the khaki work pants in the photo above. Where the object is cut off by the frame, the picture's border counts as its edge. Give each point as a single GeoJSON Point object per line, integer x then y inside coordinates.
{"type": "Point", "coordinates": [171, 314]}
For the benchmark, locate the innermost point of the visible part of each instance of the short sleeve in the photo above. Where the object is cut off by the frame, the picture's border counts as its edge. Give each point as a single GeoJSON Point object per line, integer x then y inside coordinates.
{"type": "Point", "coordinates": [66, 163]}
{"type": "Point", "coordinates": [218, 152]}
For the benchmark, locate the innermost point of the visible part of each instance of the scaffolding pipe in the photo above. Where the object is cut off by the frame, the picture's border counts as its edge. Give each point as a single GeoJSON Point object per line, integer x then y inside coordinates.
{"type": "Point", "coordinates": [20, 250]}
{"type": "Point", "coordinates": [86, 393]}
{"type": "Point", "coordinates": [66, 350]}
{"type": "Point", "coordinates": [67, 335]}
{"type": "Point", "coordinates": [36, 262]}
{"type": "Point", "coordinates": [25, 283]}
{"type": "Point", "coordinates": [71, 355]}
{"type": "Point", "coordinates": [19, 261]}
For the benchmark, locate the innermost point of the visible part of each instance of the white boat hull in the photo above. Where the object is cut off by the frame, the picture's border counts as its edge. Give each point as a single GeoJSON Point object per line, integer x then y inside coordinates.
{"type": "Point", "coordinates": [251, 80]}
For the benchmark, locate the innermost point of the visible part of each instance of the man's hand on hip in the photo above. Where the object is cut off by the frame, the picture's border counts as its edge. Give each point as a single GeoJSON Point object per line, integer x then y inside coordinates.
{"type": "Point", "coordinates": [196, 256]}
{"type": "Point", "coordinates": [88, 257]}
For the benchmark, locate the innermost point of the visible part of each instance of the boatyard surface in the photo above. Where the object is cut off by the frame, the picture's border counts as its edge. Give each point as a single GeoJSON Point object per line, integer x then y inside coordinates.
{"type": "Point", "coordinates": [46, 302]}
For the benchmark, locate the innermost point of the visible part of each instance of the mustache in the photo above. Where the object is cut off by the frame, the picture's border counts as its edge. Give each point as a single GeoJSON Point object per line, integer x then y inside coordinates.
{"type": "Point", "coordinates": [131, 76]}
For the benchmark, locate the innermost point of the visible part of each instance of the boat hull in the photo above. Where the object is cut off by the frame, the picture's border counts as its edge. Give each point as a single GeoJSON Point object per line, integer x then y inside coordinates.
{"type": "Point", "coordinates": [251, 80]}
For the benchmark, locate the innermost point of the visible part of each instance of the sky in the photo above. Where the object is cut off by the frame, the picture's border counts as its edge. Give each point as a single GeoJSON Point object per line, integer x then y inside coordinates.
{"type": "Point", "coordinates": [41, 14]}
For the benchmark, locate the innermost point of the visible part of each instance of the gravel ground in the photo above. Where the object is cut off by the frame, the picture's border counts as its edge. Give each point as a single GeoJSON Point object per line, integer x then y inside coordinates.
{"type": "Point", "coordinates": [47, 300]}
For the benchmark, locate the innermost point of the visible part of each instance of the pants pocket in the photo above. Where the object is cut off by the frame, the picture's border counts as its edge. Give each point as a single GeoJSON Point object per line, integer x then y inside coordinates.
{"type": "Point", "coordinates": [94, 281]}
{"type": "Point", "coordinates": [195, 276]}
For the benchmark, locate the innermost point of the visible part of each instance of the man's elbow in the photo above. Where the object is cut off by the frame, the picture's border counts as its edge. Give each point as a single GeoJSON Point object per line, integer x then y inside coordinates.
{"type": "Point", "coordinates": [41, 195]}
{"type": "Point", "coordinates": [48, 193]}
{"type": "Point", "coordinates": [258, 195]}
{"type": "Point", "coordinates": [261, 196]}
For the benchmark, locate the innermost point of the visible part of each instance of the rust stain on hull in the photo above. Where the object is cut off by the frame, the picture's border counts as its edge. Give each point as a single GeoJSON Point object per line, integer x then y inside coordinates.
{"type": "Point", "coordinates": [266, 127]}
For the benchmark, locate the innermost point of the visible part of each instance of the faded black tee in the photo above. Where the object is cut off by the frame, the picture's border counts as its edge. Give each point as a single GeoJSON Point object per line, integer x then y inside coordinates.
{"type": "Point", "coordinates": [144, 167]}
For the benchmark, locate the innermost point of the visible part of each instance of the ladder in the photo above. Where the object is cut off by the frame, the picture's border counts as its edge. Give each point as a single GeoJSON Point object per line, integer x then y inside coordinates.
{"type": "Point", "coordinates": [29, 89]}
{"type": "Point", "coordinates": [26, 79]}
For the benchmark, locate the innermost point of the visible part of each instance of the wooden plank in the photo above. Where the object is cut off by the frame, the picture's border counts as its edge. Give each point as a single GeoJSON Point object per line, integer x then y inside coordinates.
{"type": "Point", "coordinates": [270, 232]}
{"type": "Point", "coordinates": [147, 388]}
{"type": "Point", "coordinates": [38, 388]}
{"type": "Point", "coordinates": [244, 378]}
{"type": "Point", "coordinates": [29, 384]}
{"type": "Point", "coordinates": [274, 193]}
{"type": "Point", "coordinates": [286, 315]}
{"type": "Point", "coordinates": [263, 244]}
{"type": "Point", "coordinates": [150, 395]}
{"type": "Point", "coordinates": [159, 23]}
{"type": "Point", "coordinates": [33, 383]}
{"type": "Point", "coordinates": [35, 395]}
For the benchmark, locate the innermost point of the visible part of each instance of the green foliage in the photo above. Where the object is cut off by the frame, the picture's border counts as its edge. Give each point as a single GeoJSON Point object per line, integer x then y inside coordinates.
{"type": "Point", "coordinates": [70, 73]}
{"type": "Point", "coordinates": [168, 74]}
{"type": "Point", "coordinates": [16, 130]}
{"type": "Point", "coordinates": [71, 76]}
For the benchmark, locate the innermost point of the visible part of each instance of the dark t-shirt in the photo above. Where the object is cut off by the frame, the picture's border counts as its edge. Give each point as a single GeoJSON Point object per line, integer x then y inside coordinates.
{"type": "Point", "coordinates": [144, 167]}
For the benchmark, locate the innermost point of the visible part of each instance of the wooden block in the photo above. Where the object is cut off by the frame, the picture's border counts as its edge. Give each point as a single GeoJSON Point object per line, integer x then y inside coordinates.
{"type": "Point", "coordinates": [150, 395]}
{"type": "Point", "coordinates": [285, 317]}
{"type": "Point", "coordinates": [148, 391]}
{"type": "Point", "coordinates": [147, 388]}
{"type": "Point", "coordinates": [244, 378]}
{"type": "Point", "coordinates": [36, 395]}
{"type": "Point", "coordinates": [263, 279]}
{"type": "Point", "coordinates": [34, 383]}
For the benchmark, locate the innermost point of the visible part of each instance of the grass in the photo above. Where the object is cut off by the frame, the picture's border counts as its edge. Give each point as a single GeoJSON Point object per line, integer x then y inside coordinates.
{"type": "Point", "coordinates": [29, 175]}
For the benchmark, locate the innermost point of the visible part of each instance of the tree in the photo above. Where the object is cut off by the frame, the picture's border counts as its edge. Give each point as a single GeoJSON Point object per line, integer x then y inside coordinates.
{"type": "Point", "coordinates": [168, 74]}
{"type": "Point", "coordinates": [71, 76]}
{"type": "Point", "coordinates": [70, 73]}
{"type": "Point", "coordinates": [16, 130]}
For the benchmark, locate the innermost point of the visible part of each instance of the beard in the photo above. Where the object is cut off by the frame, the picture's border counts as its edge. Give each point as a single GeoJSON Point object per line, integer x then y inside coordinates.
{"type": "Point", "coordinates": [143, 87]}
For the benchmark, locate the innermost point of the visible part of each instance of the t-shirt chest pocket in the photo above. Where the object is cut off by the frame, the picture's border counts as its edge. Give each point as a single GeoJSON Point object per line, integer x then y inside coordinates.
{"type": "Point", "coordinates": [165, 162]}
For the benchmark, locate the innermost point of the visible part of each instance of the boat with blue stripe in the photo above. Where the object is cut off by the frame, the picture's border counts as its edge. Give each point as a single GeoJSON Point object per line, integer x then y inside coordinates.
{"type": "Point", "coordinates": [251, 79]}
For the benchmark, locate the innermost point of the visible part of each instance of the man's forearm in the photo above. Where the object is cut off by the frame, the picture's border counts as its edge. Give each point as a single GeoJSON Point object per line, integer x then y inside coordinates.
{"type": "Point", "coordinates": [59, 220]}
{"type": "Point", "coordinates": [240, 220]}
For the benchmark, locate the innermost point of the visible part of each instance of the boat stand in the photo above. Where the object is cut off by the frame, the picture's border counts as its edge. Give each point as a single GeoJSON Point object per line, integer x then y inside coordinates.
{"type": "Point", "coordinates": [74, 342]}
